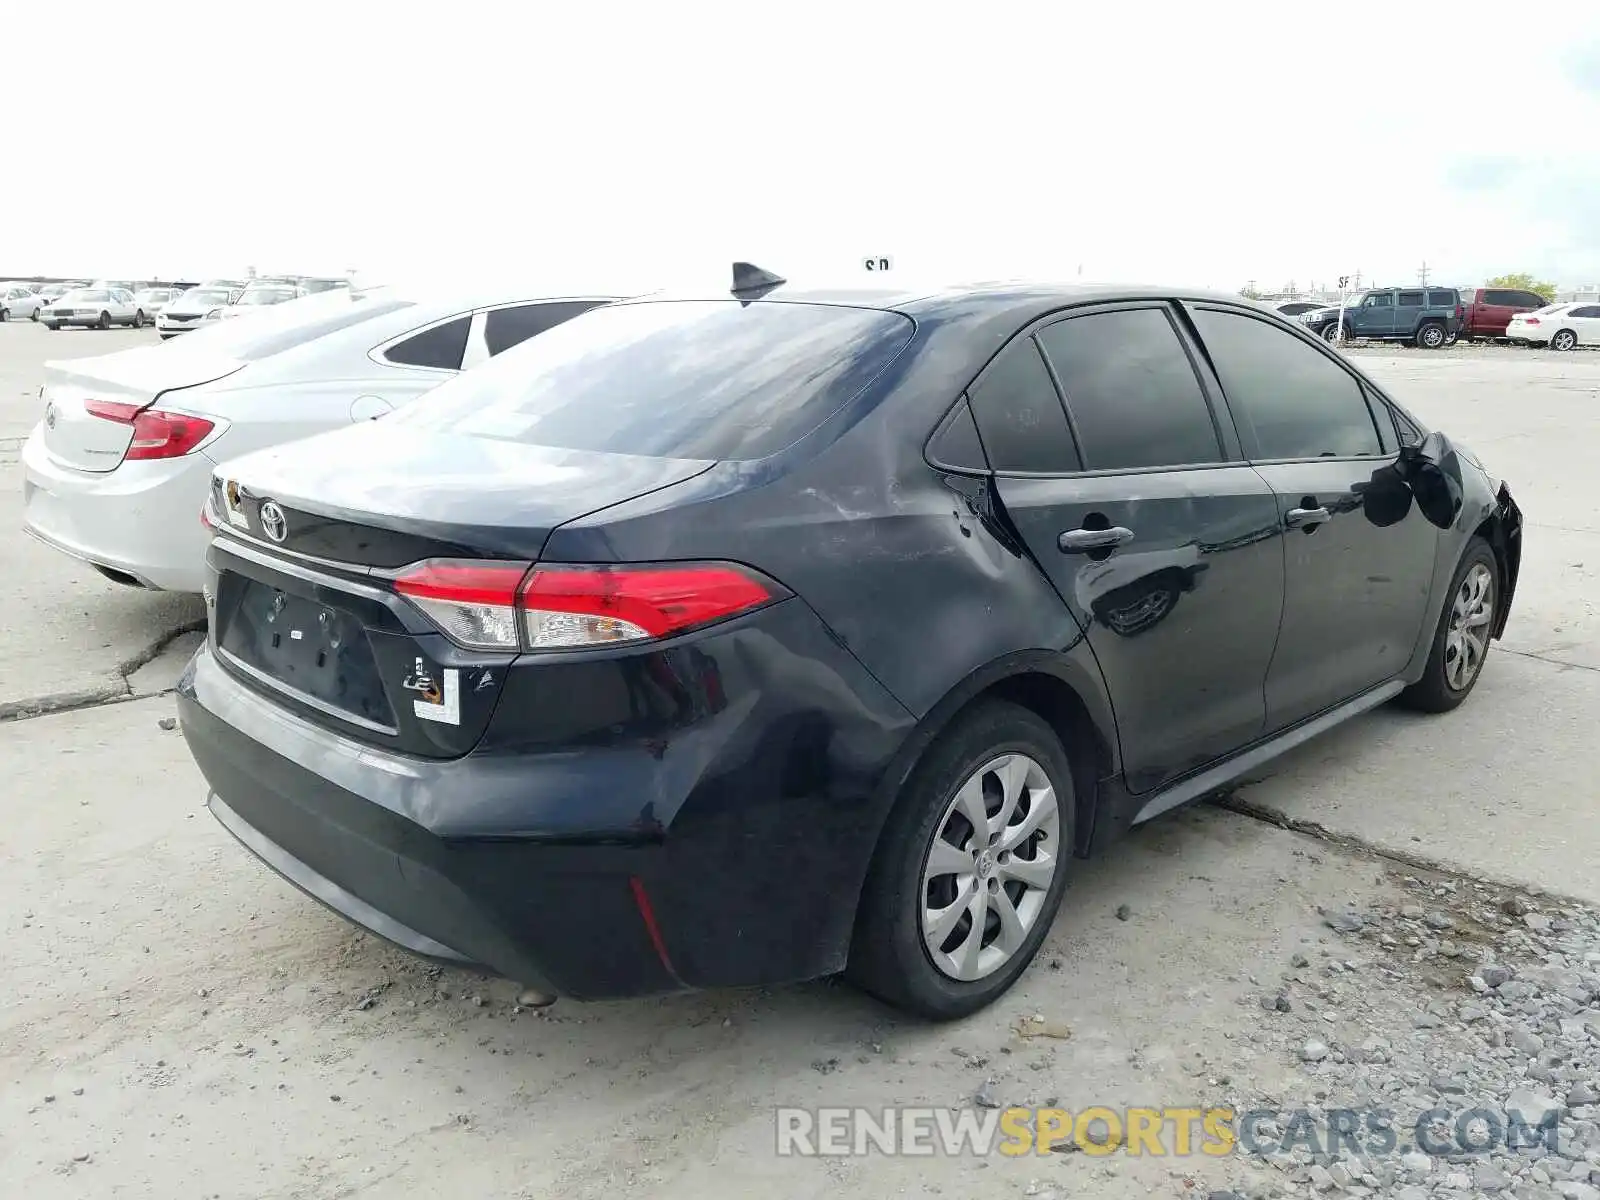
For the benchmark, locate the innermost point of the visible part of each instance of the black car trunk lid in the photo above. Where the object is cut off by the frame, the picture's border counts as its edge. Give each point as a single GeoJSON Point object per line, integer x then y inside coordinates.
{"type": "Point", "coordinates": [310, 555]}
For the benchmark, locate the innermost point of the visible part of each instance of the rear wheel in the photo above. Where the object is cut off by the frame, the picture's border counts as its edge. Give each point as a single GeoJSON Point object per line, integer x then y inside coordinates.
{"type": "Point", "coordinates": [1430, 336]}
{"type": "Point", "coordinates": [5, 314]}
{"type": "Point", "coordinates": [34, 316]}
{"type": "Point", "coordinates": [1564, 339]}
{"type": "Point", "coordinates": [971, 866]}
{"type": "Point", "coordinates": [138, 319]}
{"type": "Point", "coordinates": [1461, 643]}
{"type": "Point", "coordinates": [52, 325]}
{"type": "Point", "coordinates": [104, 322]}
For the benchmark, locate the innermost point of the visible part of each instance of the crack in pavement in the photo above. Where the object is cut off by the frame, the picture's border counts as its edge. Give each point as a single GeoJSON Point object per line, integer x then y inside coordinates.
{"type": "Point", "coordinates": [111, 693]}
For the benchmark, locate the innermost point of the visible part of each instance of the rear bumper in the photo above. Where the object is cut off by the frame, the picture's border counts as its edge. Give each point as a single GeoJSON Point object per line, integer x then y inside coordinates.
{"type": "Point", "coordinates": [141, 520]}
{"type": "Point", "coordinates": [726, 850]}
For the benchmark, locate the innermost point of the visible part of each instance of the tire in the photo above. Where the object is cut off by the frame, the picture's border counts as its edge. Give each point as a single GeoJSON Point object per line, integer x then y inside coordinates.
{"type": "Point", "coordinates": [1331, 334]}
{"type": "Point", "coordinates": [1450, 339]}
{"type": "Point", "coordinates": [1564, 339]}
{"type": "Point", "coordinates": [34, 316]}
{"type": "Point", "coordinates": [889, 956]}
{"type": "Point", "coordinates": [1441, 687]}
{"type": "Point", "coordinates": [5, 314]}
{"type": "Point", "coordinates": [1431, 336]}
{"type": "Point", "coordinates": [167, 337]}
{"type": "Point", "coordinates": [138, 318]}
{"type": "Point", "coordinates": [52, 325]}
{"type": "Point", "coordinates": [104, 322]}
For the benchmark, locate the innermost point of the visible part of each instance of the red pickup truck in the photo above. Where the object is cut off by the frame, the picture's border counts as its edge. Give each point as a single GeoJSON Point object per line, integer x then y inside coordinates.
{"type": "Point", "coordinates": [1486, 312]}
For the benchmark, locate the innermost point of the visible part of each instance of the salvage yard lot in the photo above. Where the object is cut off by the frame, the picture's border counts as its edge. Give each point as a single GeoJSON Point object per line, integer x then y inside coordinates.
{"type": "Point", "coordinates": [179, 1022]}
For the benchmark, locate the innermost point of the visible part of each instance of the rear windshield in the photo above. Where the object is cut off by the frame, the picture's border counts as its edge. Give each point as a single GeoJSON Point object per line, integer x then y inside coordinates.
{"type": "Point", "coordinates": [705, 379]}
{"type": "Point", "coordinates": [291, 325]}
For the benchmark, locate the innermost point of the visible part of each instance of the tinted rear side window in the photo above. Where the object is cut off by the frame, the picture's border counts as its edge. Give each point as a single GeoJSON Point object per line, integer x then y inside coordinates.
{"type": "Point", "coordinates": [504, 328]}
{"type": "Point", "coordinates": [703, 379]}
{"type": "Point", "coordinates": [1410, 299]}
{"type": "Point", "coordinates": [1495, 296]}
{"type": "Point", "coordinates": [1441, 299]}
{"type": "Point", "coordinates": [1019, 414]}
{"type": "Point", "coordinates": [1300, 403]}
{"type": "Point", "coordinates": [440, 347]}
{"type": "Point", "coordinates": [1131, 390]}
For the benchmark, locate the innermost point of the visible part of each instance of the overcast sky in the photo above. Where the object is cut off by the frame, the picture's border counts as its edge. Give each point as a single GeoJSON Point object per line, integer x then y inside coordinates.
{"type": "Point", "coordinates": [1203, 144]}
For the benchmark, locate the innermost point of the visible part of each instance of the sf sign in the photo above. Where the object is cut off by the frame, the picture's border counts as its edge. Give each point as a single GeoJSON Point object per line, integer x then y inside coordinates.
{"type": "Point", "coordinates": [877, 264]}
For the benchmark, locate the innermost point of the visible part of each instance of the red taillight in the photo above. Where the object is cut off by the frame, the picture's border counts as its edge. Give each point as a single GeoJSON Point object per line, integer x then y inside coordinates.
{"type": "Point", "coordinates": [1531, 320]}
{"type": "Point", "coordinates": [156, 434]}
{"type": "Point", "coordinates": [502, 606]}
{"type": "Point", "coordinates": [569, 606]}
{"type": "Point", "coordinates": [474, 603]}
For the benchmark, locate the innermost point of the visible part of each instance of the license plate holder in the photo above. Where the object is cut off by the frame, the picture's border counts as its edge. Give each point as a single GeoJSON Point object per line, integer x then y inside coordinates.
{"type": "Point", "coordinates": [317, 650]}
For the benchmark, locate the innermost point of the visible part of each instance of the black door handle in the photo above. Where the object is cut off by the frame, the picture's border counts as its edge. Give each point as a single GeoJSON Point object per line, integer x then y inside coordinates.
{"type": "Point", "coordinates": [1080, 541]}
{"type": "Point", "coordinates": [1304, 518]}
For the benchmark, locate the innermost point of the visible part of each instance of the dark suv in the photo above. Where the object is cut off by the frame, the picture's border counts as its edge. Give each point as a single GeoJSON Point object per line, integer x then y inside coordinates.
{"type": "Point", "coordinates": [1425, 317]}
{"type": "Point", "coordinates": [734, 639]}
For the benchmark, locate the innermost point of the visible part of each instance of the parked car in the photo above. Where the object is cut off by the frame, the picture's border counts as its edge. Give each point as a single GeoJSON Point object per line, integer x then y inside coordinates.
{"type": "Point", "coordinates": [1558, 326]}
{"type": "Point", "coordinates": [1298, 308]}
{"type": "Point", "coordinates": [188, 310]}
{"type": "Point", "coordinates": [1425, 317]}
{"type": "Point", "coordinates": [1486, 312]}
{"type": "Point", "coordinates": [116, 471]}
{"type": "Point", "coordinates": [746, 634]}
{"type": "Point", "coordinates": [153, 300]}
{"type": "Point", "coordinates": [20, 300]}
{"type": "Point", "coordinates": [312, 285]}
{"type": "Point", "coordinates": [257, 295]}
{"type": "Point", "coordinates": [98, 308]}
{"type": "Point", "coordinates": [51, 291]}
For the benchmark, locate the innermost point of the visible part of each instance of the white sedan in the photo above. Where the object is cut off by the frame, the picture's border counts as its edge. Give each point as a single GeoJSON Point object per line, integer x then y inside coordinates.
{"type": "Point", "coordinates": [118, 468]}
{"type": "Point", "coordinates": [255, 297]}
{"type": "Point", "coordinates": [18, 300]}
{"type": "Point", "coordinates": [153, 300]}
{"type": "Point", "coordinates": [96, 308]}
{"type": "Point", "coordinates": [1558, 326]}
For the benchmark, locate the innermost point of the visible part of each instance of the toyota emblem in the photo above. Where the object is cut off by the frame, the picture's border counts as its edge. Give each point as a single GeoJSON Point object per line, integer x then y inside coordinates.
{"type": "Point", "coordinates": [273, 523]}
{"type": "Point", "coordinates": [50, 415]}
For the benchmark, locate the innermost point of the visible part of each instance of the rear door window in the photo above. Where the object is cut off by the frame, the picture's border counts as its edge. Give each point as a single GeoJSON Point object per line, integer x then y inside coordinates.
{"type": "Point", "coordinates": [1019, 414]}
{"type": "Point", "coordinates": [706, 379]}
{"type": "Point", "coordinates": [439, 347]}
{"type": "Point", "coordinates": [1297, 400]}
{"type": "Point", "coordinates": [1131, 391]}
{"type": "Point", "coordinates": [504, 328]}
{"type": "Point", "coordinates": [1508, 299]}
{"type": "Point", "coordinates": [1410, 299]}
{"type": "Point", "coordinates": [1532, 301]}
{"type": "Point", "coordinates": [1438, 299]}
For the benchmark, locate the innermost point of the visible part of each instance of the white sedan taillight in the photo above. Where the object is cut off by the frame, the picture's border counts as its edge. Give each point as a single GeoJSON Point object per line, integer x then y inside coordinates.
{"type": "Point", "coordinates": [517, 606]}
{"type": "Point", "coordinates": [156, 434]}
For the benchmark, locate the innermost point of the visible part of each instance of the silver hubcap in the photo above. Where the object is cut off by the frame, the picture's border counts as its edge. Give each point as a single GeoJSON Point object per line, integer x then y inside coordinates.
{"type": "Point", "coordinates": [1564, 340]}
{"type": "Point", "coordinates": [989, 867]}
{"type": "Point", "coordinates": [1467, 640]}
{"type": "Point", "coordinates": [1432, 337]}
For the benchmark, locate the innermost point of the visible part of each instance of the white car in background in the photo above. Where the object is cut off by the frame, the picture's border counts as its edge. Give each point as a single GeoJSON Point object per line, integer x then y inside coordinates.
{"type": "Point", "coordinates": [119, 466]}
{"type": "Point", "coordinates": [1558, 326]}
{"type": "Point", "coordinates": [94, 308]}
{"type": "Point", "coordinates": [256, 296]}
{"type": "Point", "coordinates": [19, 300]}
{"type": "Point", "coordinates": [153, 300]}
{"type": "Point", "coordinates": [190, 308]}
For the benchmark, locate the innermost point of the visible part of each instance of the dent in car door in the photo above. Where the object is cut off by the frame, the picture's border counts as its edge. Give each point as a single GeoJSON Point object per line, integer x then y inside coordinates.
{"type": "Point", "coordinates": [1159, 545]}
{"type": "Point", "coordinates": [1356, 571]}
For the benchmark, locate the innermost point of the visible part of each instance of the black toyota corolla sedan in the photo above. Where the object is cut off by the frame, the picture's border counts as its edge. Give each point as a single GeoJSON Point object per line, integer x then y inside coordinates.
{"type": "Point", "coordinates": [738, 638]}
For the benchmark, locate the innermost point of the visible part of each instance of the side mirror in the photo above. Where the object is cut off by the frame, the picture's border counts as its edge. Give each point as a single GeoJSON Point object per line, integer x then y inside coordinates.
{"type": "Point", "coordinates": [1433, 472]}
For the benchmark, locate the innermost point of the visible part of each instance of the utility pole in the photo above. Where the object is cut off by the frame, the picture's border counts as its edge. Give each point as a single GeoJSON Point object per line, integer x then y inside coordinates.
{"type": "Point", "coordinates": [1422, 273]}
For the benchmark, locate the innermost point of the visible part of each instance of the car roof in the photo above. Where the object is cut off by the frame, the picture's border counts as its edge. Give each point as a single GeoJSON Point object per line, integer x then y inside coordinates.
{"type": "Point", "coordinates": [1002, 303]}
